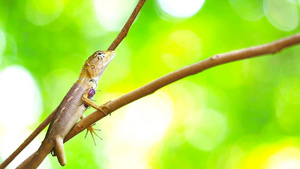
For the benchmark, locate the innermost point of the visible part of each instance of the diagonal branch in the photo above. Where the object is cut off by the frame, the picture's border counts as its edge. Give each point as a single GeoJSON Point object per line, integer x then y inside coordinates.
{"type": "Point", "coordinates": [151, 87]}
{"type": "Point", "coordinates": [123, 33]}
{"type": "Point", "coordinates": [125, 29]}
{"type": "Point", "coordinates": [27, 140]}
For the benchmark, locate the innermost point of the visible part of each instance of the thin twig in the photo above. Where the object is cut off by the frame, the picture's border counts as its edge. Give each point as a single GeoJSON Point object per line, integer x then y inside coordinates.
{"type": "Point", "coordinates": [27, 141]}
{"type": "Point", "coordinates": [123, 33]}
{"type": "Point", "coordinates": [151, 87]}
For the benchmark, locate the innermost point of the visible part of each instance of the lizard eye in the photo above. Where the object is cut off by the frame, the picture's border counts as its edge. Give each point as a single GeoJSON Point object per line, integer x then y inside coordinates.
{"type": "Point", "coordinates": [101, 55]}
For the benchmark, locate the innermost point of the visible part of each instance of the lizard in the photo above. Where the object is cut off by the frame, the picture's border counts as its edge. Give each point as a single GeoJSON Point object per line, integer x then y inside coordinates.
{"type": "Point", "coordinates": [72, 107]}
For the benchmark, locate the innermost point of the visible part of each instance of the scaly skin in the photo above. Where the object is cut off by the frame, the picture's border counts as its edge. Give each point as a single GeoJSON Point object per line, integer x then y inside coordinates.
{"type": "Point", "coordinates": [71, 109]}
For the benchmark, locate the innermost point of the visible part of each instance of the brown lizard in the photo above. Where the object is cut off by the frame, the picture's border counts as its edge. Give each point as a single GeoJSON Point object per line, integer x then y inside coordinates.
{"type": "Point", "coordinates": [71, 109]}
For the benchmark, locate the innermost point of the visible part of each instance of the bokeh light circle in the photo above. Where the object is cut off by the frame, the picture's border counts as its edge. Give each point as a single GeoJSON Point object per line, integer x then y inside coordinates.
{"type": "Point", "coordinates": [287, 105]}
{"type": "Point", "coordinates": [250, 10]}
{"type": "Point", "coordinates": [206, 130]}
{"type": "Point", "coordinates": [179, 8]}
{"type": "Point", "coordinates": [43, 12]}
{"type": "Point", "coordinates": [142, 125]}
{"type": "Point", "coordinates": [112, 14]}
{"type": "Point", "coordinates": [282, 14]}
{"type": "Point", "coordinates": [29, 101]}
{"type": "Point", "coordinates": [181, 47]}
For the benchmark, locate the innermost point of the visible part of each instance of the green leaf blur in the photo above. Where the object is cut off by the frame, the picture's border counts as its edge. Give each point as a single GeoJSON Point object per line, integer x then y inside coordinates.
{"type": "Point", "coordinates": [242, 115]}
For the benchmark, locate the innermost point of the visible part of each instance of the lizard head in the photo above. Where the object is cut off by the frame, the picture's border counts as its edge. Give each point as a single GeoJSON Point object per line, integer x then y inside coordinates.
{"type": "Point", "coordinates": [96, 64]}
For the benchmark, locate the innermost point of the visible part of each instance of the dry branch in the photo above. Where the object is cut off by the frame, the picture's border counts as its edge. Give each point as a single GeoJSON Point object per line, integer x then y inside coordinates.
{"type": "Point", "coordinates": [123, 33]}
{"type": "Point", "coordinates": [151, 87]}
{"type": "Point", "coordinates": [27, 140]}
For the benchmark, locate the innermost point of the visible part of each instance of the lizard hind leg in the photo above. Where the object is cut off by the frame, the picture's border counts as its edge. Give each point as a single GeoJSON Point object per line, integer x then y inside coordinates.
{"type": "Point", "coordinates": [59, 149]}
{"type": "Point", "coordinates": [91, 130]}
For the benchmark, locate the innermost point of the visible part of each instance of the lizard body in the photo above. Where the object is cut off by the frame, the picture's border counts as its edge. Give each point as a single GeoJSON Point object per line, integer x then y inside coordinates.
{"type": "Point", "coordinates": [71, 109]}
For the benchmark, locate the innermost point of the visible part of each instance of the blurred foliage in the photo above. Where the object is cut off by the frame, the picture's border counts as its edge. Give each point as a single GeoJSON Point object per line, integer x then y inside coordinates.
{"type": "Point", "coordinates": [239, 115]}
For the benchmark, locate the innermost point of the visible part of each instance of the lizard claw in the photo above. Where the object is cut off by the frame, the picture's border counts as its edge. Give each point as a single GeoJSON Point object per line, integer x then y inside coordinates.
{"type": "Point", "coordinates": [93, 132]}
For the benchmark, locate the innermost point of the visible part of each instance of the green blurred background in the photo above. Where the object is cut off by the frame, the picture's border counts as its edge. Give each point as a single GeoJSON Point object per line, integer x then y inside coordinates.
{"type": "Point", "coordinates": [242, 115]}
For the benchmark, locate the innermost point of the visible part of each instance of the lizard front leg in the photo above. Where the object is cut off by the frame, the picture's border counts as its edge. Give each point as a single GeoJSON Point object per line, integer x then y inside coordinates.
{"type": "Point", "coordinates": [88, 102]}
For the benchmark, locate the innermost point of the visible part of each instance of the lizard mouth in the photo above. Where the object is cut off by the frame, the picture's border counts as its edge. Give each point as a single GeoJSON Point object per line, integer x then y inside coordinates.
{"type": "Point", "coordinates": [109, 56]}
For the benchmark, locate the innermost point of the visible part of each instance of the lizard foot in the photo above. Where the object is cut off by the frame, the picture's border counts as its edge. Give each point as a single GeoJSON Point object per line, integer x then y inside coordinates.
{"type": "Point", "coordinates": [103, 107]}
{"type": "Point", "coordinates": [92, 130]}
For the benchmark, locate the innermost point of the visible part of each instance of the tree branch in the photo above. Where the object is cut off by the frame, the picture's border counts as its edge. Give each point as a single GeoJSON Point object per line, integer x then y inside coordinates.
{"type": "Point", "coordinates": [123, 33]}
{"type": "Point", "coordinates": [27, 140]}
{"type": "Point", "coordinates": [153, 86]}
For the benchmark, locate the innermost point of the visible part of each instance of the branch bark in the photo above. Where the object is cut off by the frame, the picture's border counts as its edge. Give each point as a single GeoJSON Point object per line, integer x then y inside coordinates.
{"type": "Point", "coordinates": [123, 33]}
{"type": "Point", "coordinates": [153, 86]}
{"type": "Point", "coordinates": [27, 140]}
